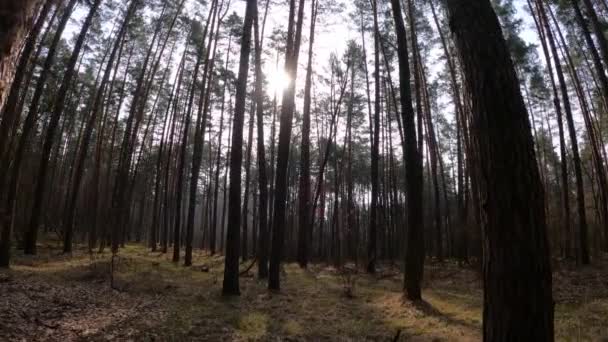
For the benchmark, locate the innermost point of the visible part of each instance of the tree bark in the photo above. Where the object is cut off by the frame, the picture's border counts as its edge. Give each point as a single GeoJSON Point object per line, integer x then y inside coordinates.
{"type": "Point", "coordinates": [372, 249]}
{"type": "Point", "coordinates": [231, 269]}
{"type": "Point", "coordinates": [287, 109]}
{"type": "Point", "coordinates": [518, 303]}
{"type": "Point", "coordinates": [305, 220]}
{"type": "Point", "coordinates": [15, 22]}
{"type": "Point", "coordinates": [10, 114]}
{"type": "Point", "coordinates": [200, 125]}
{"type": "Point", "coordinates": [414, 256]}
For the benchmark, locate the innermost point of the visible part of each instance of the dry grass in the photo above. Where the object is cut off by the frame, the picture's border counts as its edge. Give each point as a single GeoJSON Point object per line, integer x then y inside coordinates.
{"type": "Point", "coordinates": [55, 297]}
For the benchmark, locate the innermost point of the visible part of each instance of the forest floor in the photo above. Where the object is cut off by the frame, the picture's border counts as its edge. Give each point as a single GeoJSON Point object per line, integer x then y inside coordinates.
{"type": "Point", "coordinates": [53, 297]}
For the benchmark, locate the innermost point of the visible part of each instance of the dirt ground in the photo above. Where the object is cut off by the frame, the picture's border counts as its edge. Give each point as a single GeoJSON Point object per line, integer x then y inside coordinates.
{"type": "Point", "coordinates": [52, 297]}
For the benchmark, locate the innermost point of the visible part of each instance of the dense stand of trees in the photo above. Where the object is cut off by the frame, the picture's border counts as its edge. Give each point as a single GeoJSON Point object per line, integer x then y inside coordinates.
{"type": "Point", "coordinates": [438, 133]}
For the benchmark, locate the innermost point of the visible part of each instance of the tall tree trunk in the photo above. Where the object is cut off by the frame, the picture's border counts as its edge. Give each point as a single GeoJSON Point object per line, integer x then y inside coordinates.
{"type": "Point", "coordinates": [168, 185]}
{"type": "Point", "coordinates": [157, 207]}
{"type": "Point", "coordinates": [414, 256]}
{"type": "Point", "coordinates": [304, 224]}
{"type": "Point", "coordinates": [231, 270]}
{"type": "Point", "coordinates": [15, 21]}
{"type": "Point", "coordinates": [216, 181]}
{"type": "Point", "coordinates": [372, 249]}
{"type": "Point", "coordinates": [595, 56]}
{"type": "Point", "coordinates": [291, 67]}
{"type": "Point", "coordinates": [595, 150]}
{"type": "Point", "coordinates": [580, 195]}
{"type": "Point", "coordinates": [245, 209]}
{"type": "Point", "coordinates": [539, 21]}
{"type": "Point", "coordinates": [200, 125]}
{"type": "Point", "coordinates": [461, 136]}
{"type": "Point", "coordinates": [598, 30]}
{"type": "Point", "coordinates": [434, 156]}
{"type": "Point", "coordinates": [263, 237]}
{"type": "Point", "coordinates": [9, 111]}
{"type": "Point", "coordinates": [518, 302]}
{"type": "Point", "coordinates": [411, 13]}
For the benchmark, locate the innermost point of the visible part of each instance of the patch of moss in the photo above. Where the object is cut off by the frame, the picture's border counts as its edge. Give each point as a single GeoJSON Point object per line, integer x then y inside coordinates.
{"type": "Point", "coordinates": [292, 328]}
{"type": "Point", "coordinates": [253, 325]}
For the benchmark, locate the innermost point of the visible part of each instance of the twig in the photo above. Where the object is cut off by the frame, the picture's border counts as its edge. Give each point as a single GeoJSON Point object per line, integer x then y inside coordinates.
{"type": "Point", "coordinates": [248, 268]}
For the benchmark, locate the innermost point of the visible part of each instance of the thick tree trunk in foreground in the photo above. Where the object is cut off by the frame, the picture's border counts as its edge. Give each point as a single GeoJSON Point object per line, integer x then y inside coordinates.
{"type": "Point", "coordinates": [518, 303]}
{"type": "Point", "coordinates": [15, 20]}
{"type": "Point", "coordinates": [10, 112]}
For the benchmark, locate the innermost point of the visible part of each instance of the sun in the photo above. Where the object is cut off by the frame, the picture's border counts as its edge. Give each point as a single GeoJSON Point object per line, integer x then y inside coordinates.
{"type": "Point", "coordinates": [278, 81]}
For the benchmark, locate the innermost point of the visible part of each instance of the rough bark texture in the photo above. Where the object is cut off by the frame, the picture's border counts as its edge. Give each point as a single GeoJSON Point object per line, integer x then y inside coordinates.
{"type": "Point", "coordinates": [518, 303]}
{"type": "Point", "coordinates": [9, 111]}
{"type": "Point", "coordinates": [15, 20]}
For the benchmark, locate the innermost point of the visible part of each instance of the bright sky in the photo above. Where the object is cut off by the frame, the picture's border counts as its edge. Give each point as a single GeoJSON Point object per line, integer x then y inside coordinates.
{"type": "Point", "coordinates": [332, 34]}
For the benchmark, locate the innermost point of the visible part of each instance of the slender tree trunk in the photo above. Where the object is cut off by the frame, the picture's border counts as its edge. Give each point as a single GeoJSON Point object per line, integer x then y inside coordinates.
{"type": "Point", "coordinates": [200, 125]}
{"type": "Point", "coordinates": [225, 192]}
{"type": "Point", "coordinates": [304, 224]}
{"type": "Point", "coordinates": [595, 56]}
{"type": "Point", "coordinates": [580, 195]}
{"type": "Point", "coordinates": [216, 182]}
{"type": "Point", "coordinates": [287, 109]}
{"type": "Point", "coordinates": [372, 249]}
{"type": "Point", "coordinates": [231, 269]}
{"type": "Point", "coordinates": [245, 209]}
{"type": "Point", "coordinates": [263, 237]}
{"type": "Point", "coordinates": [545, 34]}
{"type": "Point", "coordinates": [414, 258]}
